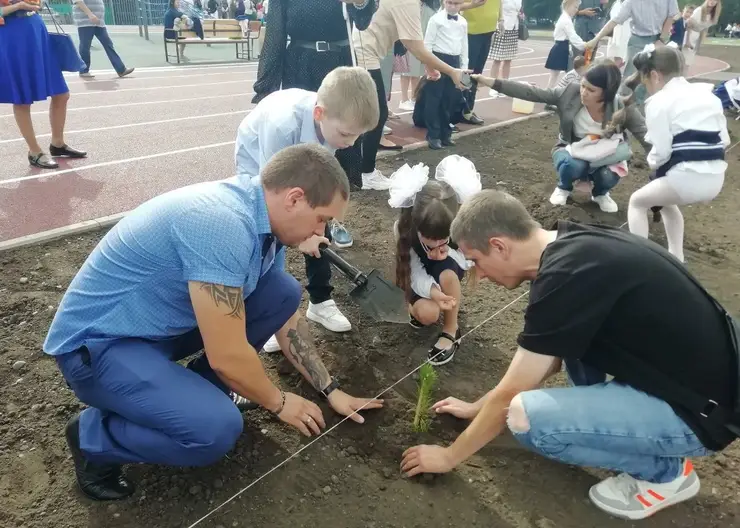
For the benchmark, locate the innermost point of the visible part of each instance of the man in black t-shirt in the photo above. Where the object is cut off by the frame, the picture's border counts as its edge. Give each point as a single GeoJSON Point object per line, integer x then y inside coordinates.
{"type": "Point", "coordinates": [603, 302]}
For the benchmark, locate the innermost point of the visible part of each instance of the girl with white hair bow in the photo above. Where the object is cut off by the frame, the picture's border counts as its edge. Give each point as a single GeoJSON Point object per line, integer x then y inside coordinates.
{"type": "Point", "coordinates": [429, 266]}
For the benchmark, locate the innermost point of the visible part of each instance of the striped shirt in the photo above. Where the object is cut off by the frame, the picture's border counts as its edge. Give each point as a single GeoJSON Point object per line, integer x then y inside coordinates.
{"type": "Point", "coordinates": [648, 16]}
{"type": "Point", "coordinates": [80, 17]}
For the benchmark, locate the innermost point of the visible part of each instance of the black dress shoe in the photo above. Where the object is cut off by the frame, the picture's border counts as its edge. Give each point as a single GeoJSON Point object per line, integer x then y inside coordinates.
{"type": "Point", "coordinates": [42, 161]}
{"type": "Point", "coordinates": [97, 481]}
{"type": "Point", "coordinates": [472, 119]}
{"type": "Point", "coordinates": [66, 151]}
{"type": "Point", "coordinates": [447, 142]}
{"type": "Point", "coordinates": [434, 144]}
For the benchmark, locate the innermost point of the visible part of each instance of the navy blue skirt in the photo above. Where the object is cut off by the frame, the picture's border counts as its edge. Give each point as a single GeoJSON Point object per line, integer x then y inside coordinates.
{"type": "Point", "coordinates": [28, 67]}
{"type": "Point", "coordinates": [557, 59]}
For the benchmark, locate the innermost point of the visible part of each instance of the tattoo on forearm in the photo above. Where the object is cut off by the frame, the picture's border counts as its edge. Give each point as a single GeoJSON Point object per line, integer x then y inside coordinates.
{"type": "Point", "coordinates": [227, 295]}
{"type": "Point", "coordinates": [302, 351]}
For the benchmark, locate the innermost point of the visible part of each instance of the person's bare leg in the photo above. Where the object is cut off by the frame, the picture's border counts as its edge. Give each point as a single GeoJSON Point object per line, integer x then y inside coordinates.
{"type": "Point", "coordinates": [554, 74]}
{"type": "Point", "coordinates": [495, 67]}
{"type": "Point", "coordinates": [22, 114]}
{"type": "Point", "coordinates": [426, 311]}
{"type": "Point", "coordinates": [405, 81]}
{"type": "Point", "coordinates": [414, 85]}
{"type": "Point", "coordinates": [450, 285]}
{"type": "Point", "coordinates": [505, 69]}
{"type": "Point", "coordinates": [57, 118]}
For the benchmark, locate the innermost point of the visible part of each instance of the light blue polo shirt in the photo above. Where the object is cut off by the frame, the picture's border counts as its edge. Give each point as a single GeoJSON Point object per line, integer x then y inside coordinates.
{"type": "Point", "coordinates": [281, 119]}
{"type": "Point", "coordinates": [135, 282]}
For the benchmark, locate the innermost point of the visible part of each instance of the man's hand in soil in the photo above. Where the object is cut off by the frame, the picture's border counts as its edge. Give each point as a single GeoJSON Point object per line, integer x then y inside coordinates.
{"type": "Point", "coordinates": [426, 459]}
{"type": "Point", "coordinates": [302, 414]}
{"type": "Point", "coordinates": [311, 245]}
{"type": "Point", "coordinates": [297, 345]}
{"type": "Point", "coordinates": [444, 301]}
{"type": "Point", "coordinates": [457, 408]}
{"type": "Point", "coordinates": [346, 405]}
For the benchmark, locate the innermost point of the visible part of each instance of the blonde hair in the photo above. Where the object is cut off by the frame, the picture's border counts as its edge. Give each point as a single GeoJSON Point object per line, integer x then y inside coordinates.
{"type": "Point", "coordinates": [349, 94]}
{"type": "Point", "coordinates": [567, 3]}
{"type": "Point", "coordinates": [705, 12]}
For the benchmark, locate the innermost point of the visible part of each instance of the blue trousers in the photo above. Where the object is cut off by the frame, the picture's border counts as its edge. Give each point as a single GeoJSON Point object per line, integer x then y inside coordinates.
{"type": "Point", "coordinates": [609, 425]}
{"type": "Point", "coordinates": [86, 35]}
{"type": "Point", "coordinates": [571, 169]}
{"type": "Point", "coordinates": [146, 407]}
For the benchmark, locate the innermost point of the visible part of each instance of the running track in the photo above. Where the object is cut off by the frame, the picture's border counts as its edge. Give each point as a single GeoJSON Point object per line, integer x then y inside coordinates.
{"type": "Point", "coordinates": [164, 128]}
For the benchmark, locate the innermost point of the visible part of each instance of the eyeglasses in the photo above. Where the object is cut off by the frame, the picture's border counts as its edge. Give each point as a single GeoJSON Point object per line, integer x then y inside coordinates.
{"type": "Point", "coordinates": [430, 249]}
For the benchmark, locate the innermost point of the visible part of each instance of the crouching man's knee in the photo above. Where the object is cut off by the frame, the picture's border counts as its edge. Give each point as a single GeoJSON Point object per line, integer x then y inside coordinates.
{"type": "Point", "coordinates": [517, 419]}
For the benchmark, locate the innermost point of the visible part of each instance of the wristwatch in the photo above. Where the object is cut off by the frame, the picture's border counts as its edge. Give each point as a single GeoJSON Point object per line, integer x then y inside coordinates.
{"type": "Point", "coordinates": [330, 388]}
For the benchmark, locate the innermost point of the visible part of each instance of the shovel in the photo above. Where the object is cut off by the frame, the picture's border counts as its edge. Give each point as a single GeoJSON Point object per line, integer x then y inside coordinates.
{"type": "Point", "coordinates": [377, 297]}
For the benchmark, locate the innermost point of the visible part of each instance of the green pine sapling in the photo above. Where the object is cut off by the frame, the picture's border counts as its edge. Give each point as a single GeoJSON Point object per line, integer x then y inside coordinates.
{"type": "Point", "coordinates": [427, 379]}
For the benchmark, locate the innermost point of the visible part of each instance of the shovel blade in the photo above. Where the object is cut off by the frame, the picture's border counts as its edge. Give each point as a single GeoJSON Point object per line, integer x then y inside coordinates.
{"type": "Point", "coordinates": [381, 300]}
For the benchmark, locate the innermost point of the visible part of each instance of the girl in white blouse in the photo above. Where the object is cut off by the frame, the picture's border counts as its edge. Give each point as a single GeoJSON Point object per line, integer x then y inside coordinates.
{"type": "Point", "coordinates": [565, 36]}
{"type": "Point", "coordinates": [687, 128]}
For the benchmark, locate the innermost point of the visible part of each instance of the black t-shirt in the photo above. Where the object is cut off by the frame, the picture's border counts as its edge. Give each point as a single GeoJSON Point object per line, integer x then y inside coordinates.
{"type": "Point", "coordinates": [615, 301]}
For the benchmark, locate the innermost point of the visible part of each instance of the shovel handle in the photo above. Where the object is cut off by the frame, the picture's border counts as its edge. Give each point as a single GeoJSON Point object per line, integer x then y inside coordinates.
{"type": "Point", "coordinates": [342, 265]}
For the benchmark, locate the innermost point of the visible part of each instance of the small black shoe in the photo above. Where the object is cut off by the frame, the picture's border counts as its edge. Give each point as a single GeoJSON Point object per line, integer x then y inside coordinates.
{"type": "Point", "coordinates": [97, 481]}
{"type": "Point", "coordinates": [472, 119]}
{"type": "Point", "coordinates": [434, 144]}
{"type": "Point", "coordinates": [42, 161]}
{"type": "Point", "coordinates": [447, 142]}
{"type": "Point", "coordinates": [66, 151]}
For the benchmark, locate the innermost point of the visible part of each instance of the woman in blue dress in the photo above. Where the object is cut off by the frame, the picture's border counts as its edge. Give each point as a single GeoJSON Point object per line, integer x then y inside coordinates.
{"type": "Point", "coordinates": [29, 72]}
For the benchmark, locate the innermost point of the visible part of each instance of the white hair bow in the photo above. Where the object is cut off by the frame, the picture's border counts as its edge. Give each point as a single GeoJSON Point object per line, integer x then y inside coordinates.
{"type": "Point", "coordinates": [649, 49]}
{"type": "Point", "coordinates": [456, 171]}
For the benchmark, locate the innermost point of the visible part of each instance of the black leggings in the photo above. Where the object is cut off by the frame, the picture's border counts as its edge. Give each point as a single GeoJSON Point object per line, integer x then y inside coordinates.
{"type": "Point", "coordinates": [371, 140]}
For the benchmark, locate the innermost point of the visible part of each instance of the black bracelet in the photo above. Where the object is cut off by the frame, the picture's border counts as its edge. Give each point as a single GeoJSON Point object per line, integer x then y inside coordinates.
{"type": "Point", "coordinates": [330, 388]}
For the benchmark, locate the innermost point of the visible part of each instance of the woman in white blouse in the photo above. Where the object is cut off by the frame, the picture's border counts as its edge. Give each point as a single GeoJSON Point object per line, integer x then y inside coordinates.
{"type": "Point", "coordinates": [704, 17]}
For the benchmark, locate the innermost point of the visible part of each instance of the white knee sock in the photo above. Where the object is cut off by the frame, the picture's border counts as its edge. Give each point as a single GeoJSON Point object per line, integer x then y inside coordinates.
{"type": "Point", "coordinates": [658, 192]}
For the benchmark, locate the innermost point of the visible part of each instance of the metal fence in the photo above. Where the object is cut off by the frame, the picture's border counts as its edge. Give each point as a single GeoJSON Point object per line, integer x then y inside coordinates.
{"type": "Point", "coordinates": [120, 12]}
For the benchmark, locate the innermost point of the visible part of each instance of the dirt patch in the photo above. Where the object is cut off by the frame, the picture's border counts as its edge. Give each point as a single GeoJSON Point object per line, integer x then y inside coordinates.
{"type": "Point", "coordinates": [350, 478]}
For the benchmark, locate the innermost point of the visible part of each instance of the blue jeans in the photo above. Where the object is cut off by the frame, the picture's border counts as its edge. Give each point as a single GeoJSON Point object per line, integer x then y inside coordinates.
{"type": "Point", "coordinates": [86, 35]}
{"type": "Point", "coordinates": [146, 407]}
{"type": "Point", "coordinates": [608, 425]}
{"type": "Point", "coordinates": [634, 46]}
{"type": "Point", "coordinates": [570, 169]}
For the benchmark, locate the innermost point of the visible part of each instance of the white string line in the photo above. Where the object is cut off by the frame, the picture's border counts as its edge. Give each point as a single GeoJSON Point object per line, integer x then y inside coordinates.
{"type": "Point", "coordinates": [237, 494]}
{"type": "Point", "coordinates": [733, 146]}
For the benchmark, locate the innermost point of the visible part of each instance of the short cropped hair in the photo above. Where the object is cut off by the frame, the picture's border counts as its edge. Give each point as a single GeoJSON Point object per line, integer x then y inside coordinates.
{"type": "Point", "coordinates": [491, 213]}
{"type": "Point", "coordinates": [349, 95]}
{"type": "Point", "coordinates": [310, 167]}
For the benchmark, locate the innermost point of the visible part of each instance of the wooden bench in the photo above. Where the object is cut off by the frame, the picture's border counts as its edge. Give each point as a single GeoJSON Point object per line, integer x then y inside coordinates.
{"type": "Point", "coordinates": [215, 31]}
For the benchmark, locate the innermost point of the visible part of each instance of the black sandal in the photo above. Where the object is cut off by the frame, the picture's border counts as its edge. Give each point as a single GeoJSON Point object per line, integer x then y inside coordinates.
{"type": "Point", "coordinates": [413, 321]}
{"type": "Point", "coordinates": [38, 161]}
{"type": "Point", "coordinates": [440, 356]}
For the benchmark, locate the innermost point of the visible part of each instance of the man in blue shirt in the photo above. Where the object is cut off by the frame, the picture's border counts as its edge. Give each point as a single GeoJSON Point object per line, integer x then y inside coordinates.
{"type": "Point", "coordinates": [194, 269]}
{"type": "Point", "coordinates": [344, 107]}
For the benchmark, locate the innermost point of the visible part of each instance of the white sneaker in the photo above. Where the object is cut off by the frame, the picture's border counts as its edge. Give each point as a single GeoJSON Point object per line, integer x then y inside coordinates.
{"type": "Point", "coordinates": [606, 203]}
{"type": "Point", "coordinates": [559, 196]}
{"type": "Point", "coordinates": [375, 181]}
{"type": "Point", "coordinates": [406, 105]}
{"type": "Point", "coordinates": [328, 315]}
{"type": "Point", "coordinates": [628, 498]}
{"type": "Point", "coordinates": [386, 130]}
{"type": "Point", "coordinates": [271, 346]}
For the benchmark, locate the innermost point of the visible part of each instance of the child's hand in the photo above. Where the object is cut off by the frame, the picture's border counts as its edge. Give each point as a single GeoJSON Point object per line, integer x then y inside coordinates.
{"type": "Point", "coordinates": [24, 6]}
{"type": "Point", "coordinates": [444, 301]}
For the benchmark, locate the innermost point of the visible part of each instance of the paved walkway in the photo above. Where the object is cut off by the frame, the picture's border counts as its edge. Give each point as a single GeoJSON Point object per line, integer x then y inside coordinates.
{"type": "Point", "coordinates": [160, 129]}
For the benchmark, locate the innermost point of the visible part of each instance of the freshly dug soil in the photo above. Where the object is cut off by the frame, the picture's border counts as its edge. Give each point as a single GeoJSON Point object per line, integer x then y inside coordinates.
{"type": "Point", "coordinates": [350, 478]}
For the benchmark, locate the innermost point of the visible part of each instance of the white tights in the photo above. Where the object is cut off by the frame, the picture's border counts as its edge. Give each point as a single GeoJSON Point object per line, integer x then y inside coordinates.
{"type": "Point", "coordinates": [693, 187]}
{"type": "Point", "coordinates": [658, 192]}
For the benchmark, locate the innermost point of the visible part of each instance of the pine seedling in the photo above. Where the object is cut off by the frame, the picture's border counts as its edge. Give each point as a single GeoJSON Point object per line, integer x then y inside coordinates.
{"type": "Point", "coordinates": [427, 379]}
